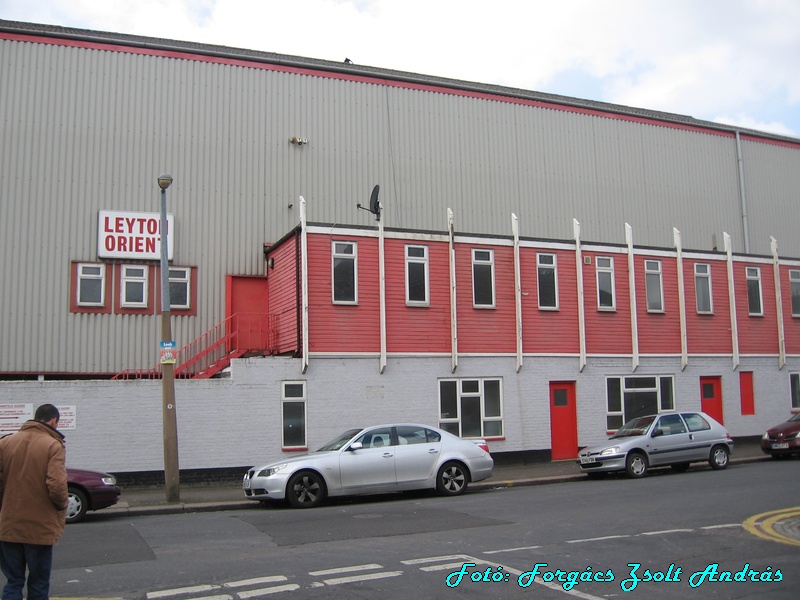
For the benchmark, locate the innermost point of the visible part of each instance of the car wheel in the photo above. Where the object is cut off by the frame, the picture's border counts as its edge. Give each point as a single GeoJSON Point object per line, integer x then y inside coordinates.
{"type": "Point", "coordinates": [305, 490]}
{"type": "Point", "coordinates": [719, 457]}
{"type": "Point", "coordinates": [636, 464]}
{"type": "Point", "coordinates": [680, 467]}
{"type": "Point", "coordinates": [452, 479]}
{"type": "Point", "coordinates": [77, 505]}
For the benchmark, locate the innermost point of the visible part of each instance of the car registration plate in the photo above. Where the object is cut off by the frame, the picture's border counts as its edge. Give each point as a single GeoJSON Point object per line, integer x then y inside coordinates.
{"type": "Point", "coordinates": [587, 460]}
{"type": "Point", "coordinates": [781, 446]}
{"type": "Point", "coordinates": [246, 484]}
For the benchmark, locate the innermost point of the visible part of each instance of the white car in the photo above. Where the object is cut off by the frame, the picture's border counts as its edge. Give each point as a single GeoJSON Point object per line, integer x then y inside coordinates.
{"type": "Point", "coordinates": [667, 439]}
{"type": "Point", "coordinates": [383, 458]}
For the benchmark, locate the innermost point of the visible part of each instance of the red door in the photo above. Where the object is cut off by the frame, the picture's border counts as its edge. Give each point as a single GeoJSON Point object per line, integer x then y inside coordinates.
{"type": "Point", "coordinates": [563, 420]}
{"type": "Point", "coordinates": [711, 397]}
{"type": "Point", "coordinates": [248, 303]}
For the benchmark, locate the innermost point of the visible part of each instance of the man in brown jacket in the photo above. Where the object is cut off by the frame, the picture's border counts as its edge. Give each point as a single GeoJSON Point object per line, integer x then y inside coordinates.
{"type": "Point", "coordinates": [33, 503]}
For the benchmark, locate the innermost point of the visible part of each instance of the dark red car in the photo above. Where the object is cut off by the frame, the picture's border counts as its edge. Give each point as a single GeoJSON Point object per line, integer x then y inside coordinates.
{"type": "Point", "coordinates": [783, 439]}
{"type": "Point", "coordinates": [89, 490]}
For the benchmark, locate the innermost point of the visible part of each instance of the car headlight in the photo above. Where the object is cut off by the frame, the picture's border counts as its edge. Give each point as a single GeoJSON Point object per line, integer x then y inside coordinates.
{"type": "Point", "coordinates": [269, 471]}
{"type": "Point", "coordinates": [765, 436]}
{"type": "Point", "coordinates": [609, 451]}
{"type": "Point", "coordinates": [792, 436]}
{"type": "Point", "coordinates": [109, 480]}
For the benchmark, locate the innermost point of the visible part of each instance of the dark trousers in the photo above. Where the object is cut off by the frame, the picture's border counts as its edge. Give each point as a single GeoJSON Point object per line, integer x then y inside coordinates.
{"type": "Point", "coordinates": [15, 559]}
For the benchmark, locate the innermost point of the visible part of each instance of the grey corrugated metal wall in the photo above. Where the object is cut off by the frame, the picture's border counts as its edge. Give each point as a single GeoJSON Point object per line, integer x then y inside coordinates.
{"type": "Point", "coordinates": [87, 129]}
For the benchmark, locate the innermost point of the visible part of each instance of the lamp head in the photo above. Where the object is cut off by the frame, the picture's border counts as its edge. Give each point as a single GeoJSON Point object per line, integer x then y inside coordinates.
{"type": "Point", "coordinates": [164, 181]}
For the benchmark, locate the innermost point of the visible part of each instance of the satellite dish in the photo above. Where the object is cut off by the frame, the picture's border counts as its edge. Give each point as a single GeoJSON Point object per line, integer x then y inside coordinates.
{"type": "Point", "coordinates": [374, 205]}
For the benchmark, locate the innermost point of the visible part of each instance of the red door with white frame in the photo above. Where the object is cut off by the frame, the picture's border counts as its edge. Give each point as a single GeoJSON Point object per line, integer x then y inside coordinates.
{"type": "Point", "coordinates": [248, 303]}
{"type": "Point", "coordinates": [563, 420]}
{"type": "Point", "coordinates": [711, 397]}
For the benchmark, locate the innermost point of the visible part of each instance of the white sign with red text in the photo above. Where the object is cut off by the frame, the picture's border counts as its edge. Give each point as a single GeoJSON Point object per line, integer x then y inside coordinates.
{"type": "Point", "coordinates": [132, 235]}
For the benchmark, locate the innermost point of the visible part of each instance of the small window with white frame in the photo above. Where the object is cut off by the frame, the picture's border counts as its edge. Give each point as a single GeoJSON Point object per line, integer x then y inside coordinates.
{"type": "Point", "coordinates": [133, 287]}
{"type": "Point", "coordinates": [638, 396]}
{"type": "Point", "coordinates": [180, 288]}
{"type": "Point", "coordinates": [794, 388]}
{"type": "Point", "coordinates": [482, 278]}
{"type": "Point", "coordinates": [417, 276]}
{"type": "Point", "coordinates": [794, 285]}
{"type": "Point", "coordinates": [91, 284]}
{"type": "Point", "coordinates": [471, 408]}
{"type": "Point", "coordinates": [606, 296]}
{"type": "Point", "coordinates": [547, 279]}
{"type": "Point", "coordinates": [653, 286]}
{"type": "Point", "coordinates": [293, 414]}
{"type": "Point", "coordinates": [755, 306]}
{"type": "Point", "coordinates": [344, 272]}
{"type": "Point", "coordinates": [702, 288]}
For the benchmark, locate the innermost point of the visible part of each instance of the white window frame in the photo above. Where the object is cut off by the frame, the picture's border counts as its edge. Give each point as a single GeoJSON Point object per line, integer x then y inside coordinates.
{"type": "Point", "coordinates": [794, 391]}
{"type": "Point", "coordinates": [126, 279]}
{"type": "Point", "coordinates": [606, 269]}
{"type": "Point", "coordinates": [285, 399]}
{"type": "Point", "coordinates": [542, 264]}
{"type": "Point", "coordinates": [417, 260]}
{"type": "Point", "coordinates": [705, 278]}
{"type": "Point", "coordinates": [85, 275]}
{"type": "Point", "coordinates": [753, 277]}
{"type": "Point", "coordinates": [653, 275]}
{"type": "Point", "coordinates": [465, 390]}
{"type": "Point", "coordinates": [186, 281]}
{"type": "Point", "coordinates": [794, 287]}
{"type": "Point", "coordinates": [337, 255]}
{"type": "Point", "coordinates": [664, 404]}
{"type": "Point", "coordinates": [481, 262]}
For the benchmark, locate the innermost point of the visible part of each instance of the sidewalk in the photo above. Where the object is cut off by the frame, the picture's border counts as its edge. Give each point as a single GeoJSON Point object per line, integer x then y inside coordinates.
{"type": "Point", "coordinates": [206, 498]}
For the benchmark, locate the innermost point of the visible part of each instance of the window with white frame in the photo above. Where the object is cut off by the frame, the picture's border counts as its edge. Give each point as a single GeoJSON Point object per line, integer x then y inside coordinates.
{"type": "Point", "coordinates": [547, 281]}
{"type": "Point", "coordinates": [482, 278]}
{"type": "Point", "coordinates": [293, 414]}
{"type": "Point", "coordinates": [417, 285]}
{"type": "Point", "coordinates": [179, 288]}
{"type": "Point", "coordinates": [794, 285]}
{"type": "Point", "coordinates": [794, 382]}
{"type": "Point", "coordinates": [133, 287]}
{"type": "Point", "coordinates": [653, 286]}
{"type": "Point", "coordinates": [344, 267]}
{"type": "Point", "coordinates": [632, 397]}
{"type": "Point", "coordinates": [91, 284]}
{"type": "Point", "coordinates": [471, 408]}
{"type": "Point", "coordinates": [604, 269]}
{"type": "Point", "coordinates": [754, 300]}
{"type": "Point", "coordinates": [702, 288]}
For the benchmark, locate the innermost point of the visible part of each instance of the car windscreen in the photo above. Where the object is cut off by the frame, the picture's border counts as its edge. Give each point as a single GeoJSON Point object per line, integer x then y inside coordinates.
{"type": "Point", "coordinates": [637, 426]}
{"type": "Point", "coordinates": [339, 441]}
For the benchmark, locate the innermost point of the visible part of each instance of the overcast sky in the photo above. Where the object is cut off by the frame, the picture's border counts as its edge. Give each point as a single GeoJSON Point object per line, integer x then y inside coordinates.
{"type": "Point", "coordinates": [730, 61]}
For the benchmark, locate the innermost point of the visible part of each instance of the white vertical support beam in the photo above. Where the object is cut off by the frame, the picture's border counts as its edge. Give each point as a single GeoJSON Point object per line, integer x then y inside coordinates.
{"type": "Point", "coordinates": [632, 286]}
{"type": "Point", "coordinates": [517, 288]}
{"type": "Point", "coordinates": [304, 282]}
{"type": "Point", "coordinates": [732, 303]}
{"type": "Point", "coordinates": [778, 303]}
{"type": "Point", "coordinates": [676, 236]}
{"type": "Point", "coordinates": [453, 306]}
{"type": "Point", "coordinates": [576, 228]}
{"type": "Point", "coordinates": [382, 275]}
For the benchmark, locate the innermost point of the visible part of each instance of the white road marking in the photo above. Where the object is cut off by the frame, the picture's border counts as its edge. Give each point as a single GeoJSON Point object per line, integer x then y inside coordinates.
{"type": "Point", "coordinates": [180, 591]}
{"type": "Point", "coordinates": [598, 539]}
{"type": "Point", "coordinates": [364, 577]}
{"type": "Point", "coordinates": [667, 531]}
{"type": "Point", "coordinates": [266, 591]}
{"type": "Point", "coordinates": [256, 581]}
{"type": "Point", "coordinates": [345, 570]}
{"type": "Point", "coordinates": [512, 549]}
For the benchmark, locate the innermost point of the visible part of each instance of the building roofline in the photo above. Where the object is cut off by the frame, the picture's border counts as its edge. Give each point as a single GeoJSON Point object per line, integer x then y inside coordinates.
{"type": "Point", "coordinates": [363, 72]}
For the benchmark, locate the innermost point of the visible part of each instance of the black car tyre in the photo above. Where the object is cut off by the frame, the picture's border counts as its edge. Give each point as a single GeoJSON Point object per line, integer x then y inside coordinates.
{"type": "Point", "coordinates": [680, 467]}
{"type": "Point", "coordinates": [452, 479]}
{"type": "Point", "coordinates": [636, 464]}
{"type": "Point", "coordinates": [719, 457]}
{"type": "Point", "coordinates": [77, 505]}
{"type": "Point", "coordinates": [306, 489]}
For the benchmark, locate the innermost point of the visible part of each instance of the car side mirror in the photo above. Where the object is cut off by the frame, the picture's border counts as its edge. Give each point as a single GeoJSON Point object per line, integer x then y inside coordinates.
{"type": "Point", "coordinates": [657, 433]}
{"type": "Point", "coordinates": [356, 446]}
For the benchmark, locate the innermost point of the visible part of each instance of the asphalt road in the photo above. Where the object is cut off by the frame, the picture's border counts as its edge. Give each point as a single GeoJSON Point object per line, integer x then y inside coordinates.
{"type": "Point", "coordinates": [684, 531]}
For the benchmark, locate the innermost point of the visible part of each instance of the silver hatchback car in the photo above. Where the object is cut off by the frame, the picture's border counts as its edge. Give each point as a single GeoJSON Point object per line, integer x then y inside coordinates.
{"type": "Point", "coordinates": [384, 458]}
{"type": "Point", "coordinates": [668, 439]}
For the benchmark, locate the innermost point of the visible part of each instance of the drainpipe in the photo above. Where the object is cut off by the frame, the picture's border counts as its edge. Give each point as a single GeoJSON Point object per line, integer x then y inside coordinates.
{"type": "Point", "coordinates": [742, 198]}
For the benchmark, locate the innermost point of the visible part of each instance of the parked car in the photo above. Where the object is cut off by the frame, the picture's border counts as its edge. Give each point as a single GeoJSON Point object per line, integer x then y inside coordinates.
{"type": "Point", "coordinates": [783, 439]}
{"type": "Point", "coordinates": [384, 458]}
{"type": "Point", "coordinates": [89, 490]}
{"type": "Point", "coordinates": [669, 439]}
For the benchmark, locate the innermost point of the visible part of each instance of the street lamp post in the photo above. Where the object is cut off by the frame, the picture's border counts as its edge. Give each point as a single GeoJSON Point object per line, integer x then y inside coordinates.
{"type": "Point", "coordinates": [170, 421]}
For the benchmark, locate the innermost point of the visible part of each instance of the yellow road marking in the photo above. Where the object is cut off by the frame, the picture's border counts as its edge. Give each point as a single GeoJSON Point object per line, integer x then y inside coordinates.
{"type": "Point", "coordinates": [763, 525]}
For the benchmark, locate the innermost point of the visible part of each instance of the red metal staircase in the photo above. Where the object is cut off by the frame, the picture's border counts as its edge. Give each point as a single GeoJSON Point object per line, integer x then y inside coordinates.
{"type": "Point", "coordinates": [239, 335]}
